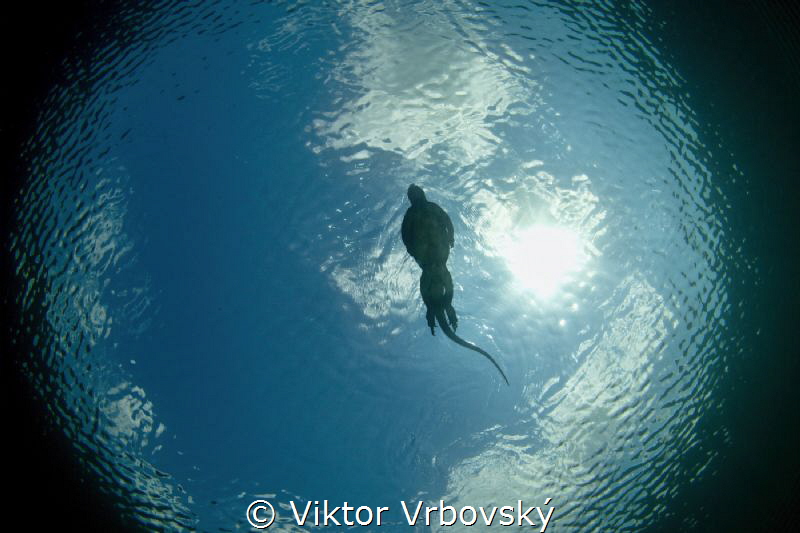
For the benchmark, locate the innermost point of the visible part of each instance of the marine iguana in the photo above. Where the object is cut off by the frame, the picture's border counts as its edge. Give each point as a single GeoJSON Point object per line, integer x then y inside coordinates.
{"type": "Point", "coordinates": [428, 236]}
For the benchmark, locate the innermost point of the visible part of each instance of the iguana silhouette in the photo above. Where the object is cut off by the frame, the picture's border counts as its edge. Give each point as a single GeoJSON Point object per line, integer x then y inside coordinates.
{"type": "Point", "coordinates": [427, 233]}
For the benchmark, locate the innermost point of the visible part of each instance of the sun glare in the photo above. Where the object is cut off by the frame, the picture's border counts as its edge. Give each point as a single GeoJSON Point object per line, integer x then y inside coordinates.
{"type": "Point", "coordinates": [543, 257]}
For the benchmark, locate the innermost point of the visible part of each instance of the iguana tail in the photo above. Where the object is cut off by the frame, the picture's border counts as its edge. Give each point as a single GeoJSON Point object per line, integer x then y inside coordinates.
{"type": "Point", "coordinates": [455, 338]}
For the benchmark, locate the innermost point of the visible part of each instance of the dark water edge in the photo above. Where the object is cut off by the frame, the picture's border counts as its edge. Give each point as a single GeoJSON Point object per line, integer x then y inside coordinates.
{"type": "Point", "coordinates": [742, 60]}
{"type": "Point", "coordinates": [47, 487]}
{"type": "Point", "coordinates": [738, 60]}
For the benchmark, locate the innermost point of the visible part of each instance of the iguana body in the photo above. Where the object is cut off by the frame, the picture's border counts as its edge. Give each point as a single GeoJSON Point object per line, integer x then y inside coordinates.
{"type": "Point", "coordinates": [428, 236]}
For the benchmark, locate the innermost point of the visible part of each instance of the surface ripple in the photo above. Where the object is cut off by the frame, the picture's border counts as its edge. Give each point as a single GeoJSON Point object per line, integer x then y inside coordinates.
{"type": "Point", "coordinates": [222, 307]}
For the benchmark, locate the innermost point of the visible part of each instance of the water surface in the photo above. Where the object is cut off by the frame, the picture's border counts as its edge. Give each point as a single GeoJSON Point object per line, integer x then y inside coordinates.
{"type": "Point", "coordinates": [211, 232]}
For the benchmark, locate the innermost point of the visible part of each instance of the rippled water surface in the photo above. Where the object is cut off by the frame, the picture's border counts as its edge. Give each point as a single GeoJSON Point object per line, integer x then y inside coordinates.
{"type": "Point", "coordinates": [223, 308]}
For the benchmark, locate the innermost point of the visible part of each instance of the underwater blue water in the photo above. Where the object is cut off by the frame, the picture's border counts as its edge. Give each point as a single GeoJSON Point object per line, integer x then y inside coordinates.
{"type": "Point", "coordinates": [212, 229]}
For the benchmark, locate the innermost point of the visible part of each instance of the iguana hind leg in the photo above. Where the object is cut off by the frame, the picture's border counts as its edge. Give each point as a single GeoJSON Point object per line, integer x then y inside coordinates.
{"type": "Point", "coordinates": [451, 317]}
{"type": "Point", "coordinates": [431, 317]}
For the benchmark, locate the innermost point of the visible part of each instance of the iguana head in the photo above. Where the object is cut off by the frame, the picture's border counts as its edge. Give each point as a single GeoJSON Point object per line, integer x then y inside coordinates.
{"type": "Point", "coordinates": [416, 195]}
